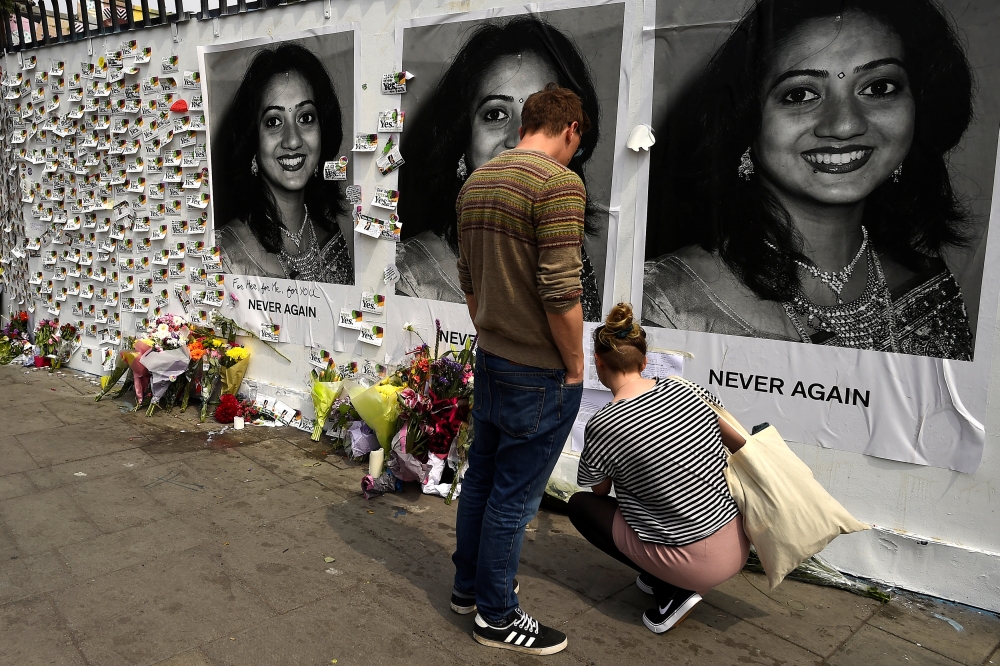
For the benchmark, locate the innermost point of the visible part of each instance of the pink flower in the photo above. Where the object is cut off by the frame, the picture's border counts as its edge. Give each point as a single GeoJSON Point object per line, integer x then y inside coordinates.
{"type": "Point", "coordinates": [409, 398]}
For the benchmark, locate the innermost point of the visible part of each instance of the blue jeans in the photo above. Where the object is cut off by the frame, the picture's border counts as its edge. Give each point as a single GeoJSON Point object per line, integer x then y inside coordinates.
{"type": "Point", "coordinates": [523, 416]}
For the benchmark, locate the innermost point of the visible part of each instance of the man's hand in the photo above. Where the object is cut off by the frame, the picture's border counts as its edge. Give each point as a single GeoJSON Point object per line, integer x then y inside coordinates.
{"type": "Point", "coordinates": [567, 329]}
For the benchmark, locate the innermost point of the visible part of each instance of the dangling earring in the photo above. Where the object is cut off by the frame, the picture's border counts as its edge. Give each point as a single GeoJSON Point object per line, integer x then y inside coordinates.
{"type": "Point", "coordinates": [746, 166]}
{"type": "Point", "coordinates": [463, 171]}
{"type": "Point", "coordinates": [253, 165]}
{"type": "Point", "coordinates": [897, 173]}
{"type": "Point", "coordinates": [316, 171]}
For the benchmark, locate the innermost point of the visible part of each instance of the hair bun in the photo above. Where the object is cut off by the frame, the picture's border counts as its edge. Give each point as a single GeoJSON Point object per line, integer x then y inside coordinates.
{"type": "Point", "coordinates": [620, 318]}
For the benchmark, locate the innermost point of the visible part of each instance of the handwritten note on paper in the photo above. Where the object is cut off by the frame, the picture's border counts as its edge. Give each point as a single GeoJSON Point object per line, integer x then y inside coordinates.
{"type": "Point", "coordinates": [589, 404]}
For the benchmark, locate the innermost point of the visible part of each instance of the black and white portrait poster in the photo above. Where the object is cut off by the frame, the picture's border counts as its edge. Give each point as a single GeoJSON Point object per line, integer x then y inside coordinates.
{"type": "Point", "coordinates": [280, 115]}
{"type": "Point", "coordinates": [473, 73]}
{"type": "Point", "coordinates": [819, 196]}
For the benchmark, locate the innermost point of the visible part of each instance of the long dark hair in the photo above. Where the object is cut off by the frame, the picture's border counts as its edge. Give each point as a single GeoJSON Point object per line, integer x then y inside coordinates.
{"type": "Point", "coordinates": [243, 195]}
{"type": "Point", "coordinates": [439, 133]}
{"type": "Point", "coordinates": [697, 198]}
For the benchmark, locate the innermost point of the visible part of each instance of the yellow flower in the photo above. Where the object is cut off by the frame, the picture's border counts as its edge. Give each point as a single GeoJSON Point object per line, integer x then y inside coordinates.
{"type": "Point", "coordinates": [238, 353]}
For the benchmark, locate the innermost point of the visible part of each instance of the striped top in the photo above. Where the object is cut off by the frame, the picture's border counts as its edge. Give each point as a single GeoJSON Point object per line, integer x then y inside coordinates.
{"type": "Point", "coordinates": [520, 233]}
{"type": "Point", "coordinates": [663, 450]}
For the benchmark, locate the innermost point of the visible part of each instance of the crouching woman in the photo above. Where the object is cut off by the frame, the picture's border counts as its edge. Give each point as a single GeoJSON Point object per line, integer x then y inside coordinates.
{"type": "Point", "coordinates": [661, 448]}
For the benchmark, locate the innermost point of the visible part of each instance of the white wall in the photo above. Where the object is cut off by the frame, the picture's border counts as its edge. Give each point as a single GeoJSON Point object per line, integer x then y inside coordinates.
{"type": "Point", "coordinates": [939, 531]}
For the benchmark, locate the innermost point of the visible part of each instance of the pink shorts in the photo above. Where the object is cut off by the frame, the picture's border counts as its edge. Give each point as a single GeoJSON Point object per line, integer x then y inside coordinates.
{"type": "Point", "coordinates": [698, 566]}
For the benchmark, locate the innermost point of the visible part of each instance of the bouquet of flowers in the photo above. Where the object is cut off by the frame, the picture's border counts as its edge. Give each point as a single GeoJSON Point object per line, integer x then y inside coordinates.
{"type": "Point", "coordinates": [436, 399]}
{"type": "Point", "coordinates": [233, 365]}
{"type": "Point", "coordinates": [64, 348]}
{"type": "Point", "coordinates": [47, 340]}
{"type": "Point", "coordinates": [14, 340]}
{"type": "Point", "coordinates": [326, 386]}
{"type": "Point", "coordinates": [165, 356]}
{"type": "Point", "coordinates": [168, 331]}
{"type": "Point", "coordinates": [214, 348]}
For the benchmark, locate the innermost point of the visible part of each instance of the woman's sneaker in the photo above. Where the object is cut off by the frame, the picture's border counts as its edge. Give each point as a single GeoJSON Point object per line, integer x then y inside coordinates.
{"type": "Point", "coordinates": [520, 632]}
{"type": "Point", "coordinates": [644, 582]}
{"type": "Point", "coordinates": [464, 605]}
{"type": "Point", "coordinates": [679, 606]}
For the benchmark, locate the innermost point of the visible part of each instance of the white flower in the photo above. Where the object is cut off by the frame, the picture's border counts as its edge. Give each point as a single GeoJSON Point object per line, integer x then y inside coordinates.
{"type": "Point", "coordinates": [163, 328]}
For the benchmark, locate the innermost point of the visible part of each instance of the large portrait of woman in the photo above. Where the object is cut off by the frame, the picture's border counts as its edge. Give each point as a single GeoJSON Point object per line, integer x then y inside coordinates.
{"type": "Point", "coordinates": [278, 112]}
{"type": "Point", "coordinates": [464, 108]}
{"type": "Point", "coordinates": [823, 172]}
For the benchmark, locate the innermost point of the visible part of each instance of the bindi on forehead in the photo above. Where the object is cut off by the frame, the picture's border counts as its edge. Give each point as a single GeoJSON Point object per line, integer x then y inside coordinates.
{"type": "Point", "coordinates": [287, 92]}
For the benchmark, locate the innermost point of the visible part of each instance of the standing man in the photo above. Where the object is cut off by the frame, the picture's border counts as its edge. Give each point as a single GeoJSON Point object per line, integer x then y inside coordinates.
{"type": "Point", "coordinates": [520, 228]}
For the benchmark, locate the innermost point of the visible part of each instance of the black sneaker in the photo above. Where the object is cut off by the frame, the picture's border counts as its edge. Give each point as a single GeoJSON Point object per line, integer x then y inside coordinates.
{"type": "Point", "coordinates": [520, 632]}
{"type": "Point", "coordinates": [662, 618]}
{"type": "Point", "coordinates": [464, 605]}
{"type": "Point", "coordinates": [644, 582]}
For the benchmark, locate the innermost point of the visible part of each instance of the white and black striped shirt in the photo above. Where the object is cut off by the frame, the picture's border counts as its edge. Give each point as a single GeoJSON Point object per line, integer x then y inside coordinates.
{"type": "Point", "coordinates": [663, 451]}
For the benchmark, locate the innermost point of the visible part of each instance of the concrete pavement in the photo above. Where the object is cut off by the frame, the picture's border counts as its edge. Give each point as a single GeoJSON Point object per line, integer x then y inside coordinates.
{"type": "Point", "coordinates": [134, 540]}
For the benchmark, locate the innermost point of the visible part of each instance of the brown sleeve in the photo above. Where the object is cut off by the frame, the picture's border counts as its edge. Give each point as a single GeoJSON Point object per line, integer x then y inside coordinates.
{"type": "Point", "coordinates": [559, 211]}
{"type": "Point", "coordinates": [464, 276]}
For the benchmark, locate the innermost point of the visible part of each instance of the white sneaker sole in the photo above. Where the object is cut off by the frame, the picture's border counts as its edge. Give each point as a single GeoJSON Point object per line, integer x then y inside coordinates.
{"type": "Point", "coordinates": [674, 618]}
{"type": "Point", "coordinates": [552, 649]}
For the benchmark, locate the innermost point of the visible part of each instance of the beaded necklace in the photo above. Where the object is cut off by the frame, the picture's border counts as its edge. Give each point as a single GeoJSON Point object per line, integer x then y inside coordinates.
{"type": "Point", "coordinates": [865, 323]}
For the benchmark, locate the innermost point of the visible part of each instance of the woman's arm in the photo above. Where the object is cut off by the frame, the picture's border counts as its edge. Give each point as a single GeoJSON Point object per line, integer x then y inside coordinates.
{"type": "Point", "coordinates": [602, 488]}
{"type": "Point", "coordinates": [731, 439]}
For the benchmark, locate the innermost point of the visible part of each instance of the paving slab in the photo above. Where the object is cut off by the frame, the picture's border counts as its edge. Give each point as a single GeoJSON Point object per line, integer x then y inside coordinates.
{"type": "Point", "coordinates": [211, 477]}
{"type": "Point", "coordinates": [79, 472]}
{"type": "Point", "coordinates": [46, 520]}
{"type": "Point", "coordinates": [13, 458]}
{"type": "Point", "coordinates": [15, 581]}
{"type": "Point", "coordinates": [8, 547]}
{"type": "Point", "coordinates": [874, 646]}
{"type": "Point", "coordinates": [116, 502]}
{"type": "Point", "coordinates": [15, 485]}
{"type": "Point", "coordinates": [53, 446]}
{"type": "Point", "coordinates": [129, 547]}
{"type": "Point", "coordinates": [25, 415]}
{"type": "Point", "coordinates": [284, 561]}
{"type": "Point", "coordinates": [190, 658]}
{"type": "Point", "coordinates": [816, 618]}
{"type": "Point", "coordinates": [152, 611]}
{"type": "Point", "coordinates": [48, 571]}
{"type": "Point", "coordinates": [34, 635]}
{"type": "Point", "coordinates": [282, 458]}
{"type": "Point", "coordinates": [964, 634]}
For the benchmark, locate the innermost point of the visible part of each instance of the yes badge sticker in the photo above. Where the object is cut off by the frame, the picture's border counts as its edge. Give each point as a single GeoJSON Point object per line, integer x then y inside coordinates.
{"type": "Point", "coordinates": [320, 358]}
{"type": "Point", "coordinates": [395, 83]}
{"type": "Point", "coordinates": [365, 143]}
{"type": "Point", "coordinates": [371, 336]}
{"type": "Point", "coordinates": [335, 170]}
{"type": "Point", "coordinates": [385, 198]}
{"type": "Point", "coordinates": [391, 120]}
{"type": "Point", "coordinates": [270, 332]}
{"type": "Point", "coordinates": [374, 303]}
{"type": "Point", "coordinates": [350, 319]}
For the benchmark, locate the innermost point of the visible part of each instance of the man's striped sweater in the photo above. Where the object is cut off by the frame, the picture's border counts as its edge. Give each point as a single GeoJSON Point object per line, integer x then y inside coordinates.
{"type": "Point", "coordinates": [520, 230]}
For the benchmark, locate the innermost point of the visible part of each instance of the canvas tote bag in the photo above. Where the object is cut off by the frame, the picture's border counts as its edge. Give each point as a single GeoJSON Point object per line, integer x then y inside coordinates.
{"type": "Point", "coordinates": [787, 515]}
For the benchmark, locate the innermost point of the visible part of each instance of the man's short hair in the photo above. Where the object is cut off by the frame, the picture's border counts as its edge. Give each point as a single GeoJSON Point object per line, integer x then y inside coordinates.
{"type": "Point", "coordinates": [552, 110]}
